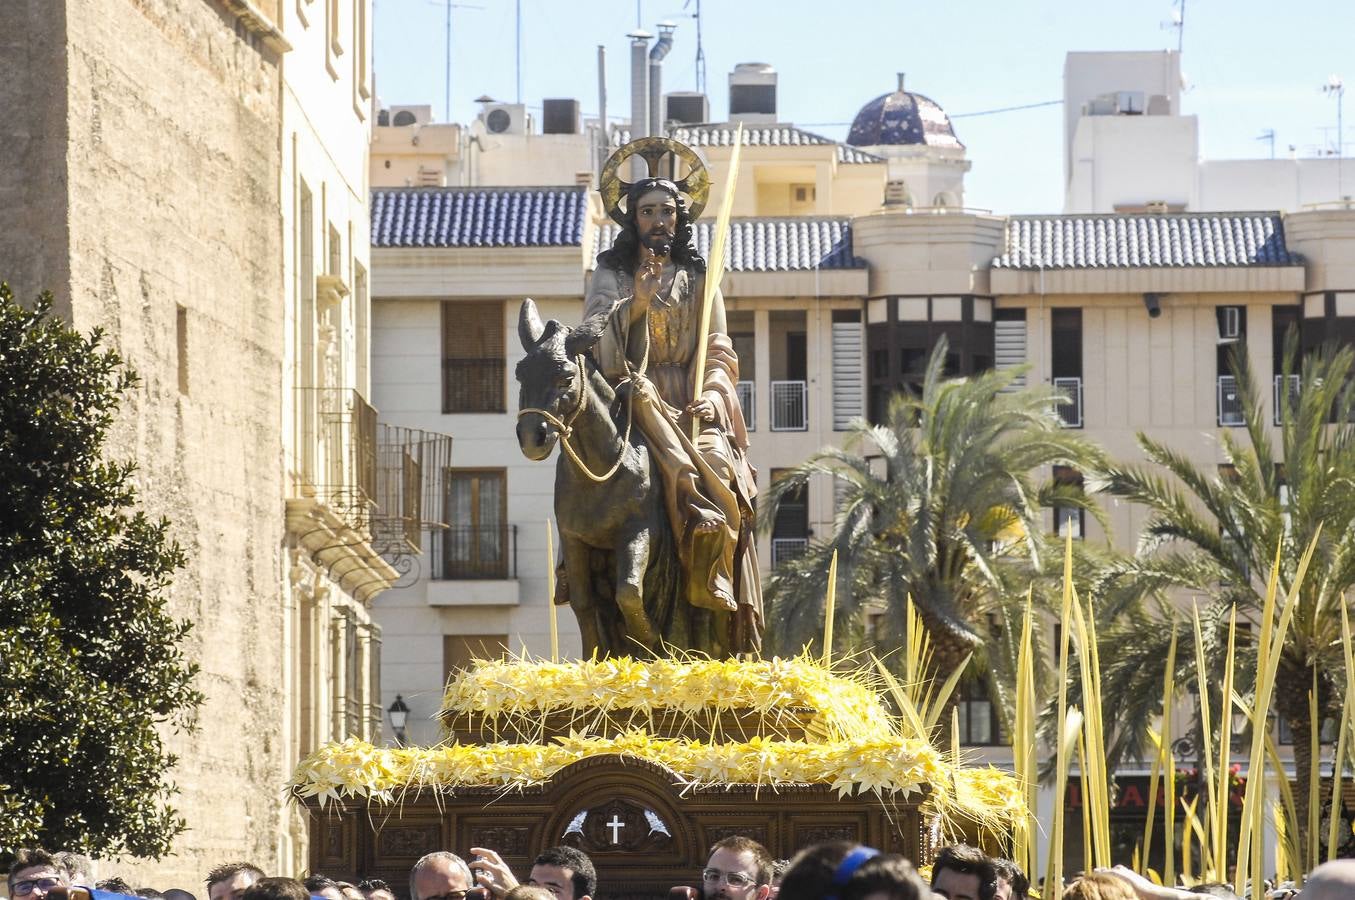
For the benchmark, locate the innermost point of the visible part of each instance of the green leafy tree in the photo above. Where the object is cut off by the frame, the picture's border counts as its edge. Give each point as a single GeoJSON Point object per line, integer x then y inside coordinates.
{"type": "Point", "coordinates": [1215, 533]}
{"type": "Point", "coordinates": [940, 502]}
{"type": "Point", "coordinates": [91, 670]}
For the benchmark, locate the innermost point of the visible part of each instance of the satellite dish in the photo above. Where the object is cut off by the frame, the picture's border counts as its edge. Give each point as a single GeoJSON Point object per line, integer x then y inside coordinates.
{"type": "Point", "coordinates": [498, 121]}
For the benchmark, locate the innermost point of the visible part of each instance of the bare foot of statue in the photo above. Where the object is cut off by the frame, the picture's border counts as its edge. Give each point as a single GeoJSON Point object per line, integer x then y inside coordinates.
{"type": "Point", "coordinates": [706, 586]}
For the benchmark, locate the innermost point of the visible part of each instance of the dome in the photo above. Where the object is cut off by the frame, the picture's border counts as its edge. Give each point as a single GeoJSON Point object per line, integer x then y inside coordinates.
{"type": "Point", "coordinates": [902, 118]}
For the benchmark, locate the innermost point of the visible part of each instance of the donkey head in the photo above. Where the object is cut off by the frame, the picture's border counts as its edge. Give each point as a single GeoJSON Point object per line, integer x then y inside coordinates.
{"type": "Point", "coordinates": [548, 377]}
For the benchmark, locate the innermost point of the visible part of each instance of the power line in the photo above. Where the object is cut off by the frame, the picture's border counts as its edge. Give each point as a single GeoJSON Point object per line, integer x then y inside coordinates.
{"type": "Point", "coordinates": [968, 115]}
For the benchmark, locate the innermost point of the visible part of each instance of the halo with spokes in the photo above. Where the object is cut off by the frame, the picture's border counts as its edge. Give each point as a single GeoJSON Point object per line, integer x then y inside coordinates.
{"type": "Point", "coordinates": [695, 184]}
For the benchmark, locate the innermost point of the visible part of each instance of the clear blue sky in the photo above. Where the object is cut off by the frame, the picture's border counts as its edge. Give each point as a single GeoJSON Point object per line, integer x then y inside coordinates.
{"type": "Point", "coordinates": [1250, 65]}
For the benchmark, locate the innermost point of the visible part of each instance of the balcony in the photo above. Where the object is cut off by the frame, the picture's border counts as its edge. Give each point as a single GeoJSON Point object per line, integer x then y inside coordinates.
{"type": "Point", "coordinates": [747, 400]}
{"type": "Point", "coordinates": [1070, 409]}
{"type": "Point", "coordinates": [1282, 383]}
{"type": "Point", "coordinates": [476, 553]}
{"type": "Point", "coordinates": [786, 549]}
{"type": "Point", "coordinates": [1231, 413]}
{"type": "Point", "coordinates": [410, 466]}
{"type": "Point", "coordinates": [790, 406]}
{"type": "Point", "coordinates": [337, 453]}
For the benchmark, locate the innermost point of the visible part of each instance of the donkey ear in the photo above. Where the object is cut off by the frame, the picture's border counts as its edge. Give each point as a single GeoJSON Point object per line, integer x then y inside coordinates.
{"type": "Point", "coordinates": [530, 328]}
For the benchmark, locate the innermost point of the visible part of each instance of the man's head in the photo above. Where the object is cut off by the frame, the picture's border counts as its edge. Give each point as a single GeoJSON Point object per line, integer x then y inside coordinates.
{"type": "Point", "coordinates": [349, 891]}
{"type": "Point", "coordinates": [376, 889]}
{"type": "Point", "coordinates": [33, 873]}
{"type": "Point", "coordinates": [1333, 880]}
{"type": "Point", "coordinates": [439, 876]}
{"type": "Point", "coordinates": [181, 894]}
{"type": "Point", "coordinates": [739, 868]}
{"type": "Point", "coordinates": [962, 872]}
{"type": "Point", "coordinates": [847, 871]}
{"type": "Point", "coordinates": [115, 885]}
{"type": "Point", "coordinates": [78, 867]}
{"type": "Point", "coordinates": [229, 882]}
{"type": "Point", "coordinates": [1100, 886]}
{"type": "Point", "coordinates": [567, 873]}
{"type": "Point", "coordinates": [318, 885]}
{"type": "Point", "coordinates": [656, 216]}
{"type": "Point", "coordinates": [1012, 883]}
{"type": "Point", "coordinates": [276, 889]}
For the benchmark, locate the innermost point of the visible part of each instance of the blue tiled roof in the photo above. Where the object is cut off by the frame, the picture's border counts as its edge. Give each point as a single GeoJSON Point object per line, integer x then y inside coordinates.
{"type": "Point", "coordinates": [1150, 240]}
{"type": "Point", "coordinates": [479, 217]}
{"type": "Point", "coordinates": [903, 118]}
{"type": "Point", "coordinates": [722, 135]}
{"type": "Point", "coordinates": [773, 245]}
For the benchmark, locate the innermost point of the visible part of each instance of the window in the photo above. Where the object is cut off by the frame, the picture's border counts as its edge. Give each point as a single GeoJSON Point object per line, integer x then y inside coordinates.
{"type": "Point", "coordinates": [335, 252]}
{"type": "Point", "coordinates": [1066, 363]}
{"type": "Point", "coordinates": [472, 358]}
{"type": "Point", "coordinates": [790, 530]}
{"type": "Point", "coordinates": [980, 724]}
{"type": "Point", "coordinates": [476, 544]}
{"type": "Point", "coordinates": [459, 650]}
{"type": "Point", "coordinates": [1067, 517]}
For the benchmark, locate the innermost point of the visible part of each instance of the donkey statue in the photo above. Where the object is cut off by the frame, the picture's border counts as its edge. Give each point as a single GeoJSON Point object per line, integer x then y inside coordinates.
{"type": "Point", "coordinates": [622, 574]}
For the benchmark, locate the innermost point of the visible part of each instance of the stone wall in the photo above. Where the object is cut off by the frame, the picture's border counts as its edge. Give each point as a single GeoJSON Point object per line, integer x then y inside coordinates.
{"type": "Point", "coordinates": [155, 215]}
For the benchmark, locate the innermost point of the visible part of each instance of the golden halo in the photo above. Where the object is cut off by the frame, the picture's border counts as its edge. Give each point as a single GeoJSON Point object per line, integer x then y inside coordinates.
{"type": "Point", "coordinates": [696, 184]}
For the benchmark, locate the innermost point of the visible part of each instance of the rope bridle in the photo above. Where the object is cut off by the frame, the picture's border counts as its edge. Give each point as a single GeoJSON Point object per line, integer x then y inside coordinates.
{"type": "Point", "coordinates": [565, 428]}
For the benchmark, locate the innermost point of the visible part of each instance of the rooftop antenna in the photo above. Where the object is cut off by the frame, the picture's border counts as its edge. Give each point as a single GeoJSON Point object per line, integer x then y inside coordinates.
{"type": "Point", "coordinates": [1336, 87]}
{"type": "Point", "coordinates": [1177, 21]}
{"type": "Point", "coordinates": [519, 57]}
{"type": "Point", "coordinates": [447, 86]}
{"type": "Point", "coordinates": [1268, 135]}
{"type": "Point", "coordinates": [700, 51]}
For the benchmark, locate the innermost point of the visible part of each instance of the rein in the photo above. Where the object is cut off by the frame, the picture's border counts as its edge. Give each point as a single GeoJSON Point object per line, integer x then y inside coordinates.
{"type": "Point", "coordinates": [565, 428]}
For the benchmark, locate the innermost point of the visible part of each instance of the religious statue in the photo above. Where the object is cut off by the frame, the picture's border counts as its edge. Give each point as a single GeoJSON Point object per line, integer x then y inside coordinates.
{"type": "Point", "coordinates": [643, 330]}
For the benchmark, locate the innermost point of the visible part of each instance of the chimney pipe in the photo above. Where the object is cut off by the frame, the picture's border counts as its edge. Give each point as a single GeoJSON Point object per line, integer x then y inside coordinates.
{"type": "Point", "coordinates": [656, 55]}
{"type": "Point", "coordinates": [639, 84]}
{"type": "Point", "coordinates": [604, 137]}
{"type": "Point", "coordinates": [901, 74]}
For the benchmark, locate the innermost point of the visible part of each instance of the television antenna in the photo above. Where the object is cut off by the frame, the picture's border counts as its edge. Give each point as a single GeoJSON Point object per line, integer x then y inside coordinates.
{"type": "Point", "coordinates": [1177, 21]}
{"type": "Point", "coordinates": [1336, 87]}
{"type": "Point", "coordinates": [700, 51]}
{"type": "Point", "coordinates": [1268, 135]}
{"type": "Point", "coordinates": [447, 85]}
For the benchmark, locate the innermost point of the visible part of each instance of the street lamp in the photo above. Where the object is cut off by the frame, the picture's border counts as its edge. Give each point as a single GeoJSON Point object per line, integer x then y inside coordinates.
{"type": "Point", "coordinates": [1336, 87]}
{"type": "Point", "coordinates": [399, 714]}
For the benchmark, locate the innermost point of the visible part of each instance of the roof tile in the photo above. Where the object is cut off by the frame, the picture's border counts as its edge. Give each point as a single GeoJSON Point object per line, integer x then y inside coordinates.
{"type": "Point", "coordinates": [479, 217]}
{"type": "Point", "coordinates": [1148, 240]}
{"type": "Point", "coordinates": [772, 244]}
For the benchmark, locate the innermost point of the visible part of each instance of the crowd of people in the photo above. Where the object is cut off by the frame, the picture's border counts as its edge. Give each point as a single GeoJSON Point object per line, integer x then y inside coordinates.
{"type": "Point", "coordinates": [737, 868]}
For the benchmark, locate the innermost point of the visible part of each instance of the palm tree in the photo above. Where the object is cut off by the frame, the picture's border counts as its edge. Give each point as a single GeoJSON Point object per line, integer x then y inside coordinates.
{"type": "Point", "coordinates": [939, 503]}
{"type": "Point", "coordinates": [1215, 532]}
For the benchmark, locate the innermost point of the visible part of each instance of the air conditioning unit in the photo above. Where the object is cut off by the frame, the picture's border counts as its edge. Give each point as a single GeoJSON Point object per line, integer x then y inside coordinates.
{"type": "Point", "coordinates": [401, 116]}
{"type": "Point", "coordinates": [1230, 323]}
{"type": "Point", "coordinates": [559, 116]}
{"type": "Point", "coordinates": [686, 107]}
{"type": "Point", "coordinates": [1103, 105]}
{"type": "Point", "coordinates": [1159, 105]}
{"type": "Point", "coordinates": [504, 118]}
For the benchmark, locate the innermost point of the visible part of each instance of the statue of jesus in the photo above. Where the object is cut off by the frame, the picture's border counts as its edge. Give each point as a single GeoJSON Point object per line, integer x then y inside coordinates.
{"type": "Point", "coordinates": [650, 286]}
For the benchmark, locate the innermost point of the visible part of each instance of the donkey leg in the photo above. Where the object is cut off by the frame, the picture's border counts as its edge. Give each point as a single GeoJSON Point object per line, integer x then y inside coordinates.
{"type": "Point", "coordinates": [581, 598]}
{"type": "Point", "coordinates": [632, 557]}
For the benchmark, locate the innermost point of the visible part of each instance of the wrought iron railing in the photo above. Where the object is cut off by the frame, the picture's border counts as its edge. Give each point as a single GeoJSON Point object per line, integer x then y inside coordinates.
{"type": "Point", "coordinates": [784, 549]}
{"type": "Point", "coordinates": [1230, 402]}
{"type": "Point", "coordinates": [790, 406]}
{"type": "Point", "coordinates": [1070, 410]}
{"type": "Point", "coordinates": [483, 552]}
{"type": "Point", "coordinates": [747, 399]}
{"type": "Point", "coordinates": [337, 452]}
{"type": "Point", "coordinates": [409, 485]}
{"type": "Point", "coordinates": [1283, 384]}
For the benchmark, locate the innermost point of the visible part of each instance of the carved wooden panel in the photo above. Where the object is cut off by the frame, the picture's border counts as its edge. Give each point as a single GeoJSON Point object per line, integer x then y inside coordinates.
{"type": "Point", "coordinates": [618, 825]}
{"type": "Point", "coordinates": [818, 833]}
{"type": "Point", "coordinates": [408, 841]}
{"type": "Point", "coordinates": [760, 832]}
{"type": "Point", "coordinates": [506, 840]}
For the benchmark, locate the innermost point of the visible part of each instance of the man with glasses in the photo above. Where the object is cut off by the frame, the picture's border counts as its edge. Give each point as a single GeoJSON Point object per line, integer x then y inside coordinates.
{"type": "Point", "coordinates": [440, 876]}
{"type": "Point", "coordinates": [33, 873]}
{"type": "Point", "coordinates": [739, 868]}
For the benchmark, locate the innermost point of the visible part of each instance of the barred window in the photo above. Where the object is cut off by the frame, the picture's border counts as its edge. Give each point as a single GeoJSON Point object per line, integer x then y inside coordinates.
{"type": "Point", "coordinates": [472, 358]}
